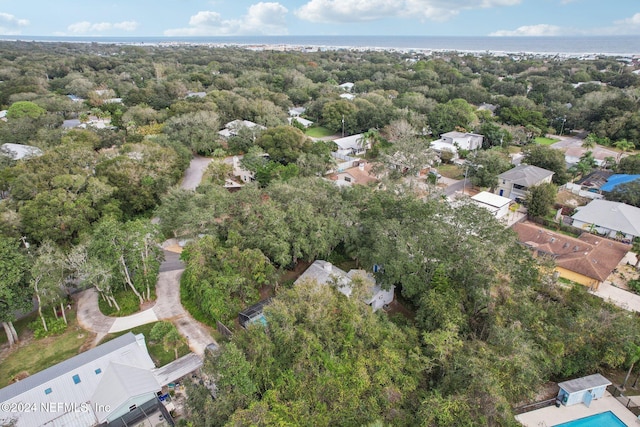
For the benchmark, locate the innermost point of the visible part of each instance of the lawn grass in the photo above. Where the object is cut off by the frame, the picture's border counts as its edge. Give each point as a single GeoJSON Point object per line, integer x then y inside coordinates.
{"type": "Point", "coordinates": [545, 141]}
{"type": "Point", "coordinates": [36, 355]}
{"type": "Point", "coordinates": [451, 171]}
{"type": "Point", "coordinates": [318, 132]}
{"type": "Point", "coordinates": [156, 350]}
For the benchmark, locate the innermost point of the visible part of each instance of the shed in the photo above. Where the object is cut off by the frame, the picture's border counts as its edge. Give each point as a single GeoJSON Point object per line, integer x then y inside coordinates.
{"type": "Point", "coordinates": [253, 314]}
{"type": "Point", "coordinates": [582, 390]}
{"type": "Point", "coordinates": [497, 205]}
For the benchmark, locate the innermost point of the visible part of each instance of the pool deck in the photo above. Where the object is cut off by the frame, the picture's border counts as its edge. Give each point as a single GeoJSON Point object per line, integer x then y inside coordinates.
{"type": "Point", "coordinates": [550, 416]}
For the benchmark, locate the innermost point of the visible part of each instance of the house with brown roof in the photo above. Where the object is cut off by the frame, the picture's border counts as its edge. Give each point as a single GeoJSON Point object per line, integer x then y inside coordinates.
{"type": "Point", "coordinates": [587, 260]}
{"type": "Point", "coordinates": [358, 174]}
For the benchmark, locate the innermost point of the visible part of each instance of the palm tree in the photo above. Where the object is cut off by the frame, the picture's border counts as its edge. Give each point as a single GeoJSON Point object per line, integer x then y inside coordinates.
{"type": "Point", "coordinates": [634, 356]}
{"type": "Point", "coordinates": [623, 145]}
{"type": "Point", "coordinates": [589, 142]}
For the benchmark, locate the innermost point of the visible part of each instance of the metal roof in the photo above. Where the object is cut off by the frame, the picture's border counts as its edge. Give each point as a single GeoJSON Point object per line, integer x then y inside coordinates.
{"type": "Point", "coordinates": [585, 383]}
{"type": "Point", "coordinates": [177, 369]}
{"type": "Point", "coordinates": [119, 384]}
{"type": "Point", "coordinates": [65, 367]}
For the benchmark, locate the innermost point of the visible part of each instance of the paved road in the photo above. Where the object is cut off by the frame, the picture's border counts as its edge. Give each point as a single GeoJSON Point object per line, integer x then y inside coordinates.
{"type": "Point", "coordinates": [171, 262]}
{"type": "Point", "coordinates": [193, 174]}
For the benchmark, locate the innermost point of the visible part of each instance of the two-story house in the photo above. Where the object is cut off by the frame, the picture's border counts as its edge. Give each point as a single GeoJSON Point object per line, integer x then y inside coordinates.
{"type": "Point", "coordinates": [515, 183]}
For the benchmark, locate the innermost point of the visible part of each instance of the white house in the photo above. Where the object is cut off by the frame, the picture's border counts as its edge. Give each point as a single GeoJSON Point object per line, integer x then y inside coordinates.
{"type": "Point", "coordinates": [304, 122]}
{"type": "Point", "coordinates": [454, 141]}
{"type": "Point", "coordinates": [240, 172]}
{"type": "Point", "coordinates": [347, 87]}
{"type": "Point", "coordinates": [515, 183]}
{"type": "Point", "coordinates": [19, 151]}
{"type": "Point", "coordinates": [296, 111]}
{"type": "Point", "coordinates": [232, 128]}
{"type": "Point", "coordinates": [497, 205]}
{"type": "Point", "coordinates": [613, 219]}
{"type": "Point", "coordinates": [354, 144]}
{"type": "Point", "coordinates": [111, 382]}
{"type": "Point", "coordinates": [323, 272]}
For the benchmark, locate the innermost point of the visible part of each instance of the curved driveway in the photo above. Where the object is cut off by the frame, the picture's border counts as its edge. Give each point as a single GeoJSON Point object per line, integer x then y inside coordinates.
{"type": "Point", "coordinates": [167, 305]}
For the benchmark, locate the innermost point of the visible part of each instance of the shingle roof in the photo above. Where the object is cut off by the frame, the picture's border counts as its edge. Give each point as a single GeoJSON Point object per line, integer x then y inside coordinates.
{"type": "Point", "coordinates": [68, 365]}
{"type": "Point", "coordinates": [589, 255]}
{"type": "Point", "coordinates": [612, 215]}
{"type": "Point", "coordinates": [525, 175]}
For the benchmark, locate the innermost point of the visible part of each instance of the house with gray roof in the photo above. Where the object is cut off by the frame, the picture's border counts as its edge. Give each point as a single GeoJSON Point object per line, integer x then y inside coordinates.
{"type": "Point", "coordinates": [19, 151]}
{"type": "Point", "coordinates": [614, 219]}
{"type": "Point", "coordinates": [114, 383]}
{"type": "Point", "coordinates": [232, 128]}
{"type": "Point", "coordinates": [325, 273]}
{"type": "Point", "coordinates": [515, 183]}
{"type": "Point", "coordinates": [352, 145]}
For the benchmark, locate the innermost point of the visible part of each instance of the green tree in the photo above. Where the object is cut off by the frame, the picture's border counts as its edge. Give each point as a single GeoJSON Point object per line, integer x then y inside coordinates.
{"type": "Point", "coordinates": [540, 199]}
{"type": "Point", "coordinates": [451, 115]}
{"type": "Point", "coordinates": [485, 166]}
{"type": "Point", "coordinates": [633, 354]}
{"type": "Point", "coordinates": [547, 158]}
{"type": "Point", "coordinates": [284, 144]}
{"type": "Point", "coordinates": [629, 164]}
{"type": "Point", "coordinates": [22, 109]}
{"type": "Point", "coordinates": [628, 193]}
{"type": "Point", "coordinates": [198, 131]}
{"type": "Point", "coordinates": [15, 293]}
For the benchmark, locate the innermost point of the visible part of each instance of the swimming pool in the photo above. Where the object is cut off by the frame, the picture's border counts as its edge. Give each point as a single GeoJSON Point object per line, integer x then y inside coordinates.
{"type": "Point", "coordinates": [605, 419]}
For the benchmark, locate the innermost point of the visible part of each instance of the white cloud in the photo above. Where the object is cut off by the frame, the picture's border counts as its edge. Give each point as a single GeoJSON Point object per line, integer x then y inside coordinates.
{"type": "Point", "coordinates": [369, 10]}
{"type": "Point", "coordinates": [261, 18]}
{"type": "Point", "coordinates": [533, 30]}
{"type": "Point", "coordinates": [85, 27]}
{"type": "Point", "coordinates": [10, 25]}
{"type": "Point", "coordinates": [625, 26]}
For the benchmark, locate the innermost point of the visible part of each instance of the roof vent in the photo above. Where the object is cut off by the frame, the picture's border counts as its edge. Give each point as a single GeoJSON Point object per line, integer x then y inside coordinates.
{"type": "Point", "coordinates": [575, 248]}
{"type": "Point", "coordinates": [566, 245]}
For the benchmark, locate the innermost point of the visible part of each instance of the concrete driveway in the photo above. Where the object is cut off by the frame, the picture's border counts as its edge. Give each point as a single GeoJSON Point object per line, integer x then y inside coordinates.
{"type": "Point", "coordinates": [195, 171]}
{"type": "Point", "coordinates": [167, 305]}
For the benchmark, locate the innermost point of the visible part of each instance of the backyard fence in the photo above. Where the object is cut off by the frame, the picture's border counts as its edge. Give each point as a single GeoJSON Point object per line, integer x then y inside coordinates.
{"type": "Point", "coordinates": [534, 406]}
{"type": "Point", "coordinates": [224, 330]}
{"type": "Point", "coordinates": [627, 402]}
{"type": "Point", "coordinates": [577, 189]}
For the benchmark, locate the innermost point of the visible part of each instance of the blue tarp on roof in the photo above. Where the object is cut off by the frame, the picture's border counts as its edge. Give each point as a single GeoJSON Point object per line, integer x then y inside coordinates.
{"type": "Point", "coordinates": [615, 180]}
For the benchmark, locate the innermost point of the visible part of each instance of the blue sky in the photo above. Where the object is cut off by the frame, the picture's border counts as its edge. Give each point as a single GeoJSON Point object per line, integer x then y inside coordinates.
{"type": "Point", "coordinates": [130, 18]}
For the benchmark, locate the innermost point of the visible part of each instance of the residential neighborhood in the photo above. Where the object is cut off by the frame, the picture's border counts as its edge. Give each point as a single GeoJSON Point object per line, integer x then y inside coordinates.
{"type": "Point", "coordinates": [206, 235]}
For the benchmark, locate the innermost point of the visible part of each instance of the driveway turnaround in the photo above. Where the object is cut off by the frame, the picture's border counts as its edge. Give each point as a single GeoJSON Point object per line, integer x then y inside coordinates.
{"type": "Point", "coordinates": [167, 307]}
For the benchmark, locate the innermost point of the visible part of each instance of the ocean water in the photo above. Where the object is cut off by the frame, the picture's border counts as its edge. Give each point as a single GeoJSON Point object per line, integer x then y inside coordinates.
{"type": "Point", "coordinates": [572, 46]}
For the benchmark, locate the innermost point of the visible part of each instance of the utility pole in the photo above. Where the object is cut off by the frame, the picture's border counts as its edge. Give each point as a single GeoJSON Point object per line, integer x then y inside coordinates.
{"type": "Point", "coordinates": [343, 125]}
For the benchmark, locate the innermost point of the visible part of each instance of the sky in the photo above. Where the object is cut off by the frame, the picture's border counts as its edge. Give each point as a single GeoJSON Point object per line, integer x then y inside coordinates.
{"type": "Point", "coordinates": [197, 18]}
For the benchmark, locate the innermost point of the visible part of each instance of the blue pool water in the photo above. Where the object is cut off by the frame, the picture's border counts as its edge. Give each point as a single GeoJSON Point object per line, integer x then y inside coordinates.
{"type": "Point", "coordinates": [605, 419]}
